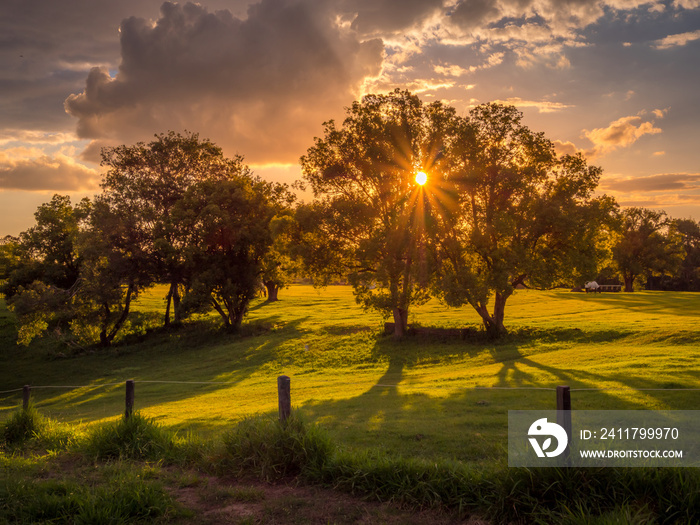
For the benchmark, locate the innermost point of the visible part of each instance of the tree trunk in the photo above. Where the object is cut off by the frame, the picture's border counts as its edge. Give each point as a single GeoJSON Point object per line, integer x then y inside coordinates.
{"type": "Point", "coordinates": [125, 313]}
{"type": "Point", "coordinates": [629, 283]}
{"type": "Point", "coordinates": [104, 341]}
{"type": "Point", "coordinates": [272, 290]}
{"type": "Point", "coordinates": [236, 320]}
{"type": "Point", "coordinates": [400, 322]}
{"type": "Point", "coordinates": [494, 323]}
{"type": "Point", "coordinates": [177, 310]}
{"type": "Point", "coordinates": [166, 321]}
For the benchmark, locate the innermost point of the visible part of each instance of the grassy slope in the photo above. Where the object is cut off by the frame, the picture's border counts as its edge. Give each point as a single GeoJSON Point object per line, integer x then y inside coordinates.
{"type": "Point", "coordinates": [414, 397]}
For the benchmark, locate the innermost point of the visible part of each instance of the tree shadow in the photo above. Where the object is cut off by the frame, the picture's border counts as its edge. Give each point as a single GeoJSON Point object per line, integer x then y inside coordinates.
{"type": "Point", "coordinates": [470, 424]}
{"type": "Point", "coordinates": [204, 362]}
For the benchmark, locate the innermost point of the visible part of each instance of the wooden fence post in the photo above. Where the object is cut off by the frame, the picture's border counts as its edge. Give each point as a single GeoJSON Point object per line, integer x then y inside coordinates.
{"type": "Point", "coordinates": [26, 392]}
{"type": "Point", "coordinates": [564, 413]}
{"type": "Point", "coordinates": [284, 397]}
{"type": "Point", "coordinates": [129, 398]}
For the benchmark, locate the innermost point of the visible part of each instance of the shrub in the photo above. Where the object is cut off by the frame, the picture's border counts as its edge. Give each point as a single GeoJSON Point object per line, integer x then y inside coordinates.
{"type": "Point", "coordinates": [135, 437]}
{"type": "Point", "coordinates": [23, 425]}
{"type": "Point", "coordinates": [272, 450]}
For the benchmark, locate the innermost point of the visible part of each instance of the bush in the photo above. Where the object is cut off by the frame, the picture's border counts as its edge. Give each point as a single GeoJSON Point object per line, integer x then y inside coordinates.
{"type": "Point", "coordinates": [135, 437]}
{"type": "Point", "coordinates": [22, 426]}
{"type": "Point", "coordinates": [272, 450]}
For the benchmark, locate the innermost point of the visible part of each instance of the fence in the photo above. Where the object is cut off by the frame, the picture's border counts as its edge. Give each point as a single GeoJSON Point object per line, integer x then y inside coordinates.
{"type": "Point", "coordinates": [562, 393]}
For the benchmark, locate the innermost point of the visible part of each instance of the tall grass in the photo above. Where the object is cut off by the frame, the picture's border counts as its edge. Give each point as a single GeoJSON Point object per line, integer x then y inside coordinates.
{"type": "Point", "coordinates": [124, 499]}
{"type": "Point", "coordinates": [271, 450]}
{"type": "Point", "coordinates": [139, 438]}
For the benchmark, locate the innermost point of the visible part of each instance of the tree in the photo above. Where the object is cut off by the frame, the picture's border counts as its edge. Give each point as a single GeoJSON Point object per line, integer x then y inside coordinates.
{"type": "Point", "coordinates": [150, 179]}
{"type": "Point", "coordinates": [644, 245]}
{"type": "Point", "coordinates": [368, 220]}
{"type": "Point", "coordinates": [116, 268]}
{"type": "Point", "coordinates": [521, 215]}
{"type": "Point", "coordinates": [688, 276]}
{"type": "Point", "coordinates": [10, 257]}
{"type": "Point", "coordinates": [229, 220]}
{"type": "Point", "coordinates": [46, 252]}
{"type": "Point", "coordinates": [279, 264]}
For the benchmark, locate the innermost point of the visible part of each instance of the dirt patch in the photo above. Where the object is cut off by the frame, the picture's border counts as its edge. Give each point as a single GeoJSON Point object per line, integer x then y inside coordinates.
{"type": "Point", "coordinates": [213, 500]}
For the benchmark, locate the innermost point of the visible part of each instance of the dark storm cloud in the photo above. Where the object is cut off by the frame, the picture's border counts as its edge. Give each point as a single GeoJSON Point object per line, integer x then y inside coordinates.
{"type": "Point", "coordinates": [48, 46]}
{"type": "Point", "coordinates": [261, 85]}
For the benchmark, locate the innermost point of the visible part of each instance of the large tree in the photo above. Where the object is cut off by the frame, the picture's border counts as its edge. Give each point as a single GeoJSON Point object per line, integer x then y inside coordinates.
{"type": "Point", "coordinates": [149, 179]}
{"type": "Point", "coordinates": [646, 245]}
{"type": "Point", "coordinates": [368, 219]}
{"type": "Point", "coordinates": [523, 216]}
{"type": "Point", "coordinates": [228, 222]}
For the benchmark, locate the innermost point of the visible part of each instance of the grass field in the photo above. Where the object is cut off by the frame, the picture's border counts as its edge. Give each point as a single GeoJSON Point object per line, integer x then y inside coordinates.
{"type": "Point", "coordinates": [421, 397]}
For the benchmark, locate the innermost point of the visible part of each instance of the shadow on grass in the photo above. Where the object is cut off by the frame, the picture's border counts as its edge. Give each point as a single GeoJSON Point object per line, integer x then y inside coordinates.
{"type": "Point", "coordinates": [196, 353]}
{"type": "Point", "coordinates": [470, 424]}
{"type": "Point", "coordinates": [685, 304]}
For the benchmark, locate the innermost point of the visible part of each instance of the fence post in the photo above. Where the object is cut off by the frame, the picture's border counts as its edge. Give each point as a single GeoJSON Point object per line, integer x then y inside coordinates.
{"type": "Point", "coordinates": [129, 398]}
{"type": "Point", "coordinates": [26, 392]}
{"type": "Point", "coordinates": [564, 414]}
{"type": "Point", "coordinates": [284, 397]}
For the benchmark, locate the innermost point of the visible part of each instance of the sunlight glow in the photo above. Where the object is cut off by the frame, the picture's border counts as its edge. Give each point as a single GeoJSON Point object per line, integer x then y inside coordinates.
{"type": "Point", "coordinates": [421, 178]}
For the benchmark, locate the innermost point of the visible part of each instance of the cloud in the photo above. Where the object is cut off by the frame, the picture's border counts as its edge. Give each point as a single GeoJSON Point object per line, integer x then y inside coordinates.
{"type": "Point", "coordinates": [620, 133]}
{"type": "Point", "coordinates": [565, 148]}
{"type": "Point", "coordinates": [450, 71]}
{"type": "Point", "coordinates": [542, 106]}
{"type": "Point", "coordinates": [28, 169]}
{"type": "Point", "coordinates": [654, 183]}
{"type": "Point", "coordinates": [260, 86]}
{"type": "Point", "coordinates": [686, 4]}
{"type": "Point", "coordinates": [29, 136]}
{"type": "Point", "coordinates": [384, 17]}
{"type": "Point", "coordinates": [680, 39]}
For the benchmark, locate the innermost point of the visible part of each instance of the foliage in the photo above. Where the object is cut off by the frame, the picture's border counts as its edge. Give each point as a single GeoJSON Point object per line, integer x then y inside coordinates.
{"type": "Point", "coordinates": [148, 180]}
{"type": "Point", "coordinates": [9, 258]}
{"type": "Point", "coordinates": [646, 245]}
{"type": "Point", "coordinates": [522, 216]}
{"type": "Point", "coordinates": [688, 277]}
{"type": "Point", "coordinates": [279, 265]}
{"type": "Point", "coordinates": [47, 251]}
{"type": "Point", "coordinates": [229, 226]}
{"type": "Point", "coordinates": [116, 268]}
{"type": "Point", "coordinates": [369, 216]}
{"type": "Point", "coordinates": [44, 268]}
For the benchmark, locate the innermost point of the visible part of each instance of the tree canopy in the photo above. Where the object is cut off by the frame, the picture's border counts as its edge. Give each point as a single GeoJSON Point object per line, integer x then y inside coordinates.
{"type": "Point", "coordinates": [496, 207]}
{"type": "Point", "coordinates": [368, 220]}
{"type": "Point", "coordinates": [523, 216]}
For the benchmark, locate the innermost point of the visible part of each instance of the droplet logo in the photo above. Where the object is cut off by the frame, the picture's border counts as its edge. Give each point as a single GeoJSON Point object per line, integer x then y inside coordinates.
{"type": "Point", "coordinates": [542, 427]}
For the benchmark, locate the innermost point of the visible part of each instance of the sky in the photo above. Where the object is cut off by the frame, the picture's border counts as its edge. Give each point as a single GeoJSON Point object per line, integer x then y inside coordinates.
{"type": "Point", "coordinates": [615, 79]}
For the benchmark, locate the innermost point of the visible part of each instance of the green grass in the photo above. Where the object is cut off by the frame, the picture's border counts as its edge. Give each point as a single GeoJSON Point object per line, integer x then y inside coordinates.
{"type": "Point", "coordinates": [116, 486]}
{"type": "Point", "coordinates": [422, 397]}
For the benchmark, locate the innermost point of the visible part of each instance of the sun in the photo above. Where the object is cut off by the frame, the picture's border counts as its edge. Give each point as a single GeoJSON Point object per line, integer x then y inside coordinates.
{"type": "Point", "coordinates": [421, 178]}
